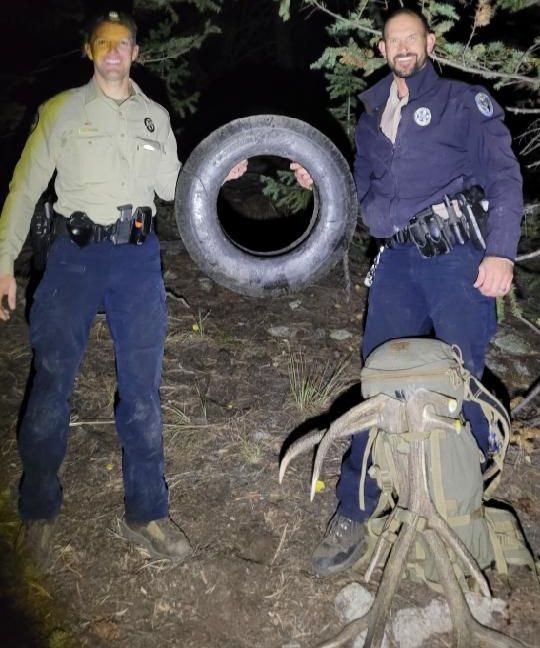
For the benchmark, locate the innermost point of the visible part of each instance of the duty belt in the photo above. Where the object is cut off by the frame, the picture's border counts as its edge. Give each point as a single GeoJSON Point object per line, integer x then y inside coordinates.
{"type": "Point", "coordinates": [438, 228]}
{"type": "Point", "coordinates": [132, 226]}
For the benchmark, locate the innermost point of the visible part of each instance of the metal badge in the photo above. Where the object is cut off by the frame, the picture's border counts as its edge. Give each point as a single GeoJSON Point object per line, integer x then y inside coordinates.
{"type": "Point", "coordinates": [484, 104]}
{"type": "Point", "coordinates": [149, 125]}
{"type": "Point", "coordinates": [422, 116]}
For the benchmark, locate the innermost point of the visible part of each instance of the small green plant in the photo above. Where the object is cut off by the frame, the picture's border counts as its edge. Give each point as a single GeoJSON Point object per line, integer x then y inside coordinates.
{"type": "Point", "coordinates": [314, 383]}
{"type": "Point", "coordinates": [198, 327]}
{"type": "Point", "coordinates": [250, 449]}
{"type": "Point", "coordinates": [203, 405]}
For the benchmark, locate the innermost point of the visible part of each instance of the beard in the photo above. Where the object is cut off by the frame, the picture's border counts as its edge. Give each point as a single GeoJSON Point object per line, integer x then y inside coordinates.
{"type": "Point", "coordinates": [405, 73]}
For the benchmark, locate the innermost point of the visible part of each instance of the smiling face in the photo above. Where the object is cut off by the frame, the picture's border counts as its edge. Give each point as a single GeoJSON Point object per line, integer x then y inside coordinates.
{"type": "Point", "coordinates": [406, 45]}
{"type": "Point", "coordinates": [112, 50]}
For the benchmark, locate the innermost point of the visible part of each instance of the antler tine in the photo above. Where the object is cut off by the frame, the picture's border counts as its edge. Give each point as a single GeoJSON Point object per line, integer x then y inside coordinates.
{"type": "Point", "coordinates": [361, 417]}
{"type": "Point", "coordinates": [300, 445]}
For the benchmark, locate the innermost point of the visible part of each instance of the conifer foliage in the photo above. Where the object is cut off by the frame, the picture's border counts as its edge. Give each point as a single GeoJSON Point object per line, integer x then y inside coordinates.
{"type": "Point", "coordinates": [180, 28]}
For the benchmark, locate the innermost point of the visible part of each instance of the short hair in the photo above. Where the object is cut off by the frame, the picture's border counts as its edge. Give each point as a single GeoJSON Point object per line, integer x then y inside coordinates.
{"type": "Point", "coordinates": [117, 17]}
{"type": "Point", "coordinates": [404, 11]}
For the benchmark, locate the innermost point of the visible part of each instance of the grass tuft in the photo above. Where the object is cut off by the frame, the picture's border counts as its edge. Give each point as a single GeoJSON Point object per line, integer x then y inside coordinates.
{"type": "Point", "coordinates": [314, 383]}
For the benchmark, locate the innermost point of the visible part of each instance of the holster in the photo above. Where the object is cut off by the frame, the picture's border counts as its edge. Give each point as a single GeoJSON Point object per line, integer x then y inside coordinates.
{"type": "Point", "coordinates": [41, 235]}
{"type": "Point", "coordinates": [132, 226]}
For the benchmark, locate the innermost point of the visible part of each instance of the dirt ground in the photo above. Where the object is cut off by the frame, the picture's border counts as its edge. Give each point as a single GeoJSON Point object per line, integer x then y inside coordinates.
{"type": "Point", "coordinates": [228, 409]}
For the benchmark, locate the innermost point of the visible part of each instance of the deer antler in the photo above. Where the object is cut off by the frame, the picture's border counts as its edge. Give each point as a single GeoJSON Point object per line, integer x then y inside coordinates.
{"type": "Point", "coordinates": [380, 411]}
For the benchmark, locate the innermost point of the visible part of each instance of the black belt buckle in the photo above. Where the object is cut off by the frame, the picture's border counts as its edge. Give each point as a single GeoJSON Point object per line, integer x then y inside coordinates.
{"type": "Point", "coordinates": [80, 228]}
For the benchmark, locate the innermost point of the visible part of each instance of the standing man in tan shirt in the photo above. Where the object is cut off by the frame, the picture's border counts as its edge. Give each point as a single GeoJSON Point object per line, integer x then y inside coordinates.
{"type": "Point", "coordinates": [112, 148]}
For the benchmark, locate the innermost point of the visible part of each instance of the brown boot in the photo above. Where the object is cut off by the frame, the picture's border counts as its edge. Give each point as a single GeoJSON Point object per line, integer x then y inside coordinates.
{"type": "Point", "coordinates": [161, 538]}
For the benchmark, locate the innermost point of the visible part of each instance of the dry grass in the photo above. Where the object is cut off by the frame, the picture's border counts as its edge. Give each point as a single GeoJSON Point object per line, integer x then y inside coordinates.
{"type": "Point", "coordinates": [313, 383]}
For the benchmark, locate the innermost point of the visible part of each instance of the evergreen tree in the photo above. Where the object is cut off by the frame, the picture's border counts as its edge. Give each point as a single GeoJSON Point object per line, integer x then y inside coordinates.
{"type": "Point", "coordinates": [180, 28]}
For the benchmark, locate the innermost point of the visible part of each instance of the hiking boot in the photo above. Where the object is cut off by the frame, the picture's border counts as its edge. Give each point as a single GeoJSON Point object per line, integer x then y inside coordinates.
{"type": "Point", "coordinates": [342, 546]}
{"type": "Point", "coordinates": [37, 537]}
{"type": "Point", "coordinates": [161, 538]}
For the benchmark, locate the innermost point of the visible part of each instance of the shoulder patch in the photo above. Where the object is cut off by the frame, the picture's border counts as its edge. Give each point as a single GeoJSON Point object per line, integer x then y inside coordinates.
{"type": "Point", "coordinates": [484, 104]}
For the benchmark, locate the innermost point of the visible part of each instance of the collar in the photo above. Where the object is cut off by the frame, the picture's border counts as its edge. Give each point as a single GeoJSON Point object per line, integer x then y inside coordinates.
{"type": "Point", "coordinates": [93, 91]}
{"type": "Point", "coordinates": [393, 97]}
{"type": "Point", "coordinates": [418, 84]}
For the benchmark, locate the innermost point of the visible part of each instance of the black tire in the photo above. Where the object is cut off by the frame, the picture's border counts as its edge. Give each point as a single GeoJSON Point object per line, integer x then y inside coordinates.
{"type": "Point", "coordinates": [299, 265]}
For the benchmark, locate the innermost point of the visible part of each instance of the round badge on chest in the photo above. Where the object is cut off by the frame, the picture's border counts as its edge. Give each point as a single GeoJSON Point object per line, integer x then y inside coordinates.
{"type": "Point", "coordinates": [422, 116]}
{"type": "Point", "coordinates": [149, 125]}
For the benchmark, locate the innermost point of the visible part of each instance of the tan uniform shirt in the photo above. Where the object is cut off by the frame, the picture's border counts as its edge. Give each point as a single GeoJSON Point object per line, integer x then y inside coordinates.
{"type": "Point", "coordinates": [392, 113]}
{"type": "Point", "coordinates": [105, 156]}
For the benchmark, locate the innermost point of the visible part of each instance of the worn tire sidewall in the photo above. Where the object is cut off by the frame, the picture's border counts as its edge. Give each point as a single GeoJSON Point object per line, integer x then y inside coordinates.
{"type": "Point", "coordinates": [197, 193]}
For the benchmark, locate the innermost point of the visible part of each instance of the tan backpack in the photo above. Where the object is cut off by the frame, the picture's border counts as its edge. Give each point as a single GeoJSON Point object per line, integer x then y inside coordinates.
{"type": "Point", "coordinates": [458, 487]}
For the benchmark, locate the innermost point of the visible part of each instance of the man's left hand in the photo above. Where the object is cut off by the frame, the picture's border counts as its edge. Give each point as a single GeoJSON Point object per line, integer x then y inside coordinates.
{"type": "Point", "coordinates": [494, 276]}
{"type": "Point", "coordinates": [237, 171]}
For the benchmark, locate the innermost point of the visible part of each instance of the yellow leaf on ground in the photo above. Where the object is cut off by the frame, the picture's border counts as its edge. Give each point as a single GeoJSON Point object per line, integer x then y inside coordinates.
{"type": "Point", "coordinates": [319, 486]}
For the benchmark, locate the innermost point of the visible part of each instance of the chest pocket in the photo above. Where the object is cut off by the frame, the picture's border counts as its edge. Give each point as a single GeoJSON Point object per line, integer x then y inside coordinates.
{"type": "Point", "coordinates": [148, 155]}
{"type": "Point", "coordinates": [90, 156]}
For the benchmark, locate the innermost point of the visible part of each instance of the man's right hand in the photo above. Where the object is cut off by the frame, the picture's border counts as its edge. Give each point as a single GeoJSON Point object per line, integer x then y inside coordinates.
{"type": "Point", "coordinates": [302, 176]}
{"type": "Point", "coordinates": [8, 295]}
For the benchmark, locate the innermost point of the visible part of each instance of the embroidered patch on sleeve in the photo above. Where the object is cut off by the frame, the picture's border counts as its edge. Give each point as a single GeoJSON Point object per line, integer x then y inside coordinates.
{"type": "Point", "coordinates": [484, 104]}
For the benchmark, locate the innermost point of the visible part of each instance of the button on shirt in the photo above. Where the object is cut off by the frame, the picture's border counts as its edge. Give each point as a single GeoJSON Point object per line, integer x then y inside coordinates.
{"type": "Point", "coordinates": [105, 155]}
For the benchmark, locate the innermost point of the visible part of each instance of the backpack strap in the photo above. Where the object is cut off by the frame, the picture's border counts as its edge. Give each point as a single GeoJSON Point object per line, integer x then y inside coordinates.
{"type": "Point", "coordinates": [499, 430]}
{"type": "Point", "coordinates": [372, 435]}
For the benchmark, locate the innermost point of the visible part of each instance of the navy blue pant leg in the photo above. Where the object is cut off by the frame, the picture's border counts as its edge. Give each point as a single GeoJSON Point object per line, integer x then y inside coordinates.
{"type": "Point", "coordinates": [136, 313]}
{"type": "Point", "coordinates": [396, 308]}
{"type": "Point", "coordinates": [461, 315]}
{"type": "Point", "coordinates": [410, 296]}
{"type": "Point", "coordinates": [64, 306]}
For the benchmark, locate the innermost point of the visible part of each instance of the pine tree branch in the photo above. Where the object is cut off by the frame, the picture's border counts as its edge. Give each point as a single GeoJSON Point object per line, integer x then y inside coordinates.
{"type": "Point", "coordinates": [525, 257]}
{"type": "Point", "coordinates": [488, 74]}
{"type": "Point", "coordinates": [523, 111]}
{"type": "Point", "coordinates": [439, 58]}
{"type": "Point", "coordinates": [531, 207]}
{"type": "Point", "coordinates": [355, 24]}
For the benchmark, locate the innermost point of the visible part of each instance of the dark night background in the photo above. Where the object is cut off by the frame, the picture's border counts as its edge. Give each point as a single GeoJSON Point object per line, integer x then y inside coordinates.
{"type": "Point", "coordinates": [258, 64]}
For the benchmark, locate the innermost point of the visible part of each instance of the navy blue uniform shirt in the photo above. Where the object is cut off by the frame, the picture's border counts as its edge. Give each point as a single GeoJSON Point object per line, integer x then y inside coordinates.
{"type": "Point", "coordinates": [451, 136]}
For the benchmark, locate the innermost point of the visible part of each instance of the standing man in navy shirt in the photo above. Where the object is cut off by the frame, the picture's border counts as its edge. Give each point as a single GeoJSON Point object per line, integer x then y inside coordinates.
{"type": "Point", "coordinates": [431, 155]}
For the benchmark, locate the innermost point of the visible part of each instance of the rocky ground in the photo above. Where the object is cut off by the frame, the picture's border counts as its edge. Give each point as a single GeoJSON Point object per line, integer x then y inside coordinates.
{"type": "Point", "coordinates": [230, 400]}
